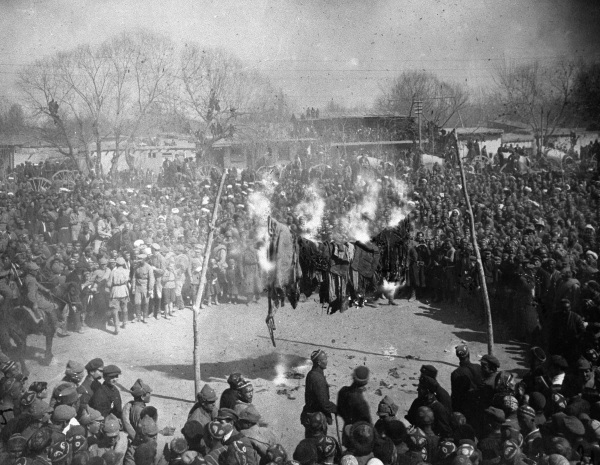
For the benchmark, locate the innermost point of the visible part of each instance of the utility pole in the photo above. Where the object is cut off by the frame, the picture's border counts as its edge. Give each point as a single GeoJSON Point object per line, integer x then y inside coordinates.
{"type": "Point", "coordinates": [484, 292]}
{"type": "Point", "coordinates": [198, 301]}
{"type": "Point", "coordinates": [418, 104]}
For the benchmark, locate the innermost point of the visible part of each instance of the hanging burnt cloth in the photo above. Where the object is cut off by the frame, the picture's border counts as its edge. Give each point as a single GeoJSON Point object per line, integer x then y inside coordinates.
{"type": "Point", "coordinates": [283, 255]}
{"type": "Point", "coordinates": [334, 289]}
{"type": "Point", "coordinates": [390, 245]}
{"type": "Point", "coordinates": [313, 264]}
{"type": "Point", "coordinates": [284, 276]}
{"type": "Point", "coordinates": [364, 269]}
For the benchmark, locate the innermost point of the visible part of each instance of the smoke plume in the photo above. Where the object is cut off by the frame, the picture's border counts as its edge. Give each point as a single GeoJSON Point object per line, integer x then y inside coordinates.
{"type": "Point", "coordinates": [312, 210]}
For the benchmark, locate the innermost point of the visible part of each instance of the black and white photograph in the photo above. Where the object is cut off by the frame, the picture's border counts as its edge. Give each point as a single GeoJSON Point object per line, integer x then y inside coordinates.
{"type": "Point", "coordinates": [299, 232]}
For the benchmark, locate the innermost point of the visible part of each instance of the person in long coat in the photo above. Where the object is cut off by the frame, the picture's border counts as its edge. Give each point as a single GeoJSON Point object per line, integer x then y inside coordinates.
{"type": "Point", "coordinates": [250, 273]}
{"type": "Point", "coordinates": [351, 403]}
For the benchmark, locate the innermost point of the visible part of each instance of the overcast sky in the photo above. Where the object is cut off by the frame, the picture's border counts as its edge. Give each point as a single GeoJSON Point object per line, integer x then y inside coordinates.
{"type": "Point", "coordinates": [316, 50]}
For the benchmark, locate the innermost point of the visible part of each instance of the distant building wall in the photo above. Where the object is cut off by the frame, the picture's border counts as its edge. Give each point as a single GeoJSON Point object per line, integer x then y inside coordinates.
{"type": "Point", "coordinates": [35, 155]}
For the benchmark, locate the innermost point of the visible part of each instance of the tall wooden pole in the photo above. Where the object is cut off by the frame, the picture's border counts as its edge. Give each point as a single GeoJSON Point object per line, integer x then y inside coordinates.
{"type": "Point", "coordinates": [198, 301]}
{"type": "Point", "coordinates": [484, 292]}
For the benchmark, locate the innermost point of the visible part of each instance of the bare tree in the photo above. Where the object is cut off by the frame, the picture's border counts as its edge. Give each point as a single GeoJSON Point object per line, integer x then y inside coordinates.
{"type": "Point", "coordinates": [86, 71]}
{"type": "Point", "coordinates": [224, 98]}
{"type": "Point", "coordinates": [49, 99]}
{"type": "Point", "coordinates": [537, 95]}
{"type": "Point", "coordinates": [441, 99]}
{"type": "Point", "coordinates": [143, 67]}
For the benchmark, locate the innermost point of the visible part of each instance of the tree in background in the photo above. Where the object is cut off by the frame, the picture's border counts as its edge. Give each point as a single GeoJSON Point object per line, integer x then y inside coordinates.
{"type": "Point", "coordinates": [442, 100]}
{"type": "Point", "coordinates": [143, 68]}
{"type": "Point", "coordinates": [541, 96]}
{"type": "Point", "coordinates": [223, 98]}
{"type": "Point", "coordinates": [127, 85]}
{"type": "Point", "coordinates": [50, 99]}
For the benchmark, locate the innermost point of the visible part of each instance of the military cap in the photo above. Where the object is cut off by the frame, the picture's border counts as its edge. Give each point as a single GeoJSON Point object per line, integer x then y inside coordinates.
{"type": "Point", "coordinates": [112, 371]}
{"type": "Point", "coordinates": [429, 370]}
{"type": "Point", "coordinates": [387, 407]}
{"type": "Point", "coordinates": [111, 426]}
{"type": "Point", "coordinates": [94, 364]}
{"type": "Point", "coordinates": [428, 383]}
{"type": "Point", "coordinates": [207, 394]}
{"type": "Point", "coordinates": [491, 360]}
{"type": "Point", "coordinates": [120, 261]}
{"type": "Point", "coordinates": [496, 414]}
{"type": "Point", "coordinates": [573, 426]}
{"type": "Point", "coordinates": [148, 427]}
{"type": "Point", "coordinates": [141, 256]}
{"type": "Point", "coordinates": [90, 415]}
{"type": "Point", "coordinates": [226, 414]}
{"type": "Point", "coordinates": [250, 414]}
{"type": "Point", "coordinates": [103, 261]}
{"type": "Point", "coordinates": [59, 451]}
{"type": "Point", "coordinates": [63, 413]}
{"type": "Point", "coordinates": [68, 396]}
{"type": "Point", "coordinates": [140, 388]}
{"type": "Point", "coordinates": [583, 364]}
{"type": "Point", "coordinates": [559, 361]}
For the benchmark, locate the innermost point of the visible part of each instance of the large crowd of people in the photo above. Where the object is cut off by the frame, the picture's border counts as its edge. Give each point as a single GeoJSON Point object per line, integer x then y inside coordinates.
{"type": "Point", "coordinates": [550, 416]}
{"type": "Point", "coordinates": [105, 253]}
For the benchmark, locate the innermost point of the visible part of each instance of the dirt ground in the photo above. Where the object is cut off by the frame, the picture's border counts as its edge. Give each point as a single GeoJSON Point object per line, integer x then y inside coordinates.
{"type": "Point", "coordinates": [235, 338]}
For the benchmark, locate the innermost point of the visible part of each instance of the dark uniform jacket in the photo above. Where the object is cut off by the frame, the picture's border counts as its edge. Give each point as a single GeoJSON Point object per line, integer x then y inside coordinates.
{"type": "Point", "coordinates": [106, 400]}
{"type": "Point", "coordinates": [352, 406]}
{"type": "Point", "coordinates": [316, 395]}
{"type": "Point", "coordinates": [87, 389]}
{"type": "Point", "coordinates": [464, 382]}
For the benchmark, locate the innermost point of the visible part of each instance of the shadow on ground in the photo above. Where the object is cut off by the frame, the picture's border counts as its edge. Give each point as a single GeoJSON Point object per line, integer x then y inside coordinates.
{"type": "Point", "coordinates": [264, 367]}
{"type": "Point", "coordinates": [471, 329]}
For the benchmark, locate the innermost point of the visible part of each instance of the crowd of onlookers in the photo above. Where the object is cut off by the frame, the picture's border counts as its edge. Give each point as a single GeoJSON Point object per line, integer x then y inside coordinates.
{"type": "Point", "coordinates": [118, 252]}
{"type": "Point", "coordinates": [550, 415]}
